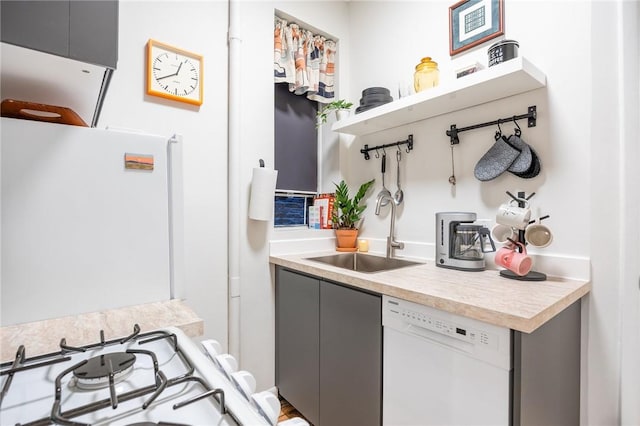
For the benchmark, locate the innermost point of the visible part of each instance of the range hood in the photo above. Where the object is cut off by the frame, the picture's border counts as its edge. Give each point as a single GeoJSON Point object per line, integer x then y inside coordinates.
{"type": "Point", "coordinates": [33, 76]}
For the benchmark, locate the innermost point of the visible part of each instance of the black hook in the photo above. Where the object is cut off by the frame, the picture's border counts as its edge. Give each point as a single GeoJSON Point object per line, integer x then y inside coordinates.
{"type": "Point", "coordinates": [517, 131]}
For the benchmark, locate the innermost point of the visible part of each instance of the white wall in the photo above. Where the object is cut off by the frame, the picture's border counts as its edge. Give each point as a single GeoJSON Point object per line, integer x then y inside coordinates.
{"type": "Point", "coordinates": [559, 138]}
{"type": "Point", "coordinates": [257, 109]}
{"type": "Point", "coordinates": [204, 31]}
{"type": "Point", "coordinates": [199, 27]}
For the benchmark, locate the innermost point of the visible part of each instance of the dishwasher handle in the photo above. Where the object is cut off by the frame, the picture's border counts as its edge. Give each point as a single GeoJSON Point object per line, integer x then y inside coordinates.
{"type": "Point", "coordinates": [439, 338]}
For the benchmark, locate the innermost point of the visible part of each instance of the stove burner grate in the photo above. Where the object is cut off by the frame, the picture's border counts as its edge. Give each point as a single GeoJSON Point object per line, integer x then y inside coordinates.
{"type": "Point", "coordinates": [95, 372]}
{"type": "Point", "coordinates": [105, 370]}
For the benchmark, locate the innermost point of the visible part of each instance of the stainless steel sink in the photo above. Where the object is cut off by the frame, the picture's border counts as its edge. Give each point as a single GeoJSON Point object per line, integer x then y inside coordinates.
{"type": "Point", "coordinates": [363, 262]}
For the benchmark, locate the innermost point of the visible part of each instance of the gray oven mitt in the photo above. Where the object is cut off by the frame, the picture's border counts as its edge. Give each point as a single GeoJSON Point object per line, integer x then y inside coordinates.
{"type": "Point", "coordinates": [523, 162]}
{"type": "Point", "coordinates": [497, 160]}
{"type": "Point", "coordinates": [534, 169]}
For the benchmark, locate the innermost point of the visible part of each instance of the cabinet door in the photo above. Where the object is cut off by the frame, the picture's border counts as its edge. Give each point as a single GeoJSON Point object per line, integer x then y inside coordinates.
{"type": "Point", "coordinates": [93, 32]}
{"type": "Point", "coordinates": [297, 341]}
{"type": "Point", "coordinates": [38, 25]}
{"type": "Point", "coordinates": [83, 30]}
{"type": "Point", "coordinates": [350, 356]}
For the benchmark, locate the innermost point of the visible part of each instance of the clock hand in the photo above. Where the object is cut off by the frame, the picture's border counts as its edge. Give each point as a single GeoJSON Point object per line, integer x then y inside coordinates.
{"type": "Point", "coordinates": [171, 75]}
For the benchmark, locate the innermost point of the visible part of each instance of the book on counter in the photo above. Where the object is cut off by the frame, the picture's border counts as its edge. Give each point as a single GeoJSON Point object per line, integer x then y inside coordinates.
{"type": "Point", "coordinates": [314, 217]}
{"type": "Point", "coordinates": [325, 202]}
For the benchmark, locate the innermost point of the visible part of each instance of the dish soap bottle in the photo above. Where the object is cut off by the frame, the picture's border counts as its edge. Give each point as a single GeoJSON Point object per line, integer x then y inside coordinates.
{"type": "Point", "coordinates": [427, 75]}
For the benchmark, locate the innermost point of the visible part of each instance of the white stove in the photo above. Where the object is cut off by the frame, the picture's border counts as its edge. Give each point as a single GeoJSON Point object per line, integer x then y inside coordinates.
{"type": "Point", "coordinates": [153, 378]}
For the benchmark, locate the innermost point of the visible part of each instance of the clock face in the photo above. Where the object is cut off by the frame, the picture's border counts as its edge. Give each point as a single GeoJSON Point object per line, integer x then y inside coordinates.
{"type": "Point", "coordinates": [174, 73]}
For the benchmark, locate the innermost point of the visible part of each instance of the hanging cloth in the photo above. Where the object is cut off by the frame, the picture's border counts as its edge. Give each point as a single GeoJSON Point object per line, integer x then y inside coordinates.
{"type": "Point", "coordinates": [305, 61]}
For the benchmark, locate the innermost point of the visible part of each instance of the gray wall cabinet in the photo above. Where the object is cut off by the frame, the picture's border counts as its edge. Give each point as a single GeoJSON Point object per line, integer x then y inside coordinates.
{"type": "Point", "coordinates": [328, 350]}
{"type": "Point", "coordinates": [86, 31]}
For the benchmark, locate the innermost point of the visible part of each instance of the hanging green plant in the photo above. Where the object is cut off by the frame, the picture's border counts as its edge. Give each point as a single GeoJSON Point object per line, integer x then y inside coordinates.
{"type": "Point", "coordinates": [324, 112]}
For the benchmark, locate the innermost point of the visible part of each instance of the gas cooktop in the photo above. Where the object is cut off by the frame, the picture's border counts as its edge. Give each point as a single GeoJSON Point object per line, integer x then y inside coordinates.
{"type": "Point", "coordinates": [159, 377]}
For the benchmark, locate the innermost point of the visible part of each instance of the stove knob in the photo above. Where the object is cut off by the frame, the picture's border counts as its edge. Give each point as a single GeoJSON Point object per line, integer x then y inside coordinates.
{"type": "Point", "coordinates": [227, 363]}
{"type": "Point", "coordinates": [268, 406]}
{"type": "Point", "coordinates": [245, 382]}
{"type": "Point", "coordinates": [211, 347]}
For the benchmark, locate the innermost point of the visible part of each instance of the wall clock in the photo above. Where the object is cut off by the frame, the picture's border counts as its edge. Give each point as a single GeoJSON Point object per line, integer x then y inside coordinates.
{"type": "Point", "coordinates": [174, 73]}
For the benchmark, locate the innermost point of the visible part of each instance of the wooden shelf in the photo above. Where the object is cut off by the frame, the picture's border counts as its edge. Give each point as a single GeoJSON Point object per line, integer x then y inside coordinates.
{"type": "Point", "coordinates": [500, 81]}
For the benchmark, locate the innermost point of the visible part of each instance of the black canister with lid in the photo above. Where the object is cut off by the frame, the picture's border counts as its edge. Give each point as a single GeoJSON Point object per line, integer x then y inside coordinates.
{"type": "Point", "coordinates": [503, 51]}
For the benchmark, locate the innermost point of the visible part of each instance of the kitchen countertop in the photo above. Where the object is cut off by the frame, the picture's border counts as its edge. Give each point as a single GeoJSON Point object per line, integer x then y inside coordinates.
{"type": "Point", "coordinates": [485, 296]}
{"type": "Point", "coordinates": [42, 337]}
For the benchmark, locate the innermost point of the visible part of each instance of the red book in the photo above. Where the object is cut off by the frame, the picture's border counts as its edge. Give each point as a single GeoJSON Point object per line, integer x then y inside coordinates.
{"type": "Point", "coordinates": [326, 202]}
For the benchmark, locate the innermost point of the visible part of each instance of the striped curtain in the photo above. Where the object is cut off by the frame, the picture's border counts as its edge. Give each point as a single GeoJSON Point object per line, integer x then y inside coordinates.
{"type": "Point", "coordinates": [305, 61]}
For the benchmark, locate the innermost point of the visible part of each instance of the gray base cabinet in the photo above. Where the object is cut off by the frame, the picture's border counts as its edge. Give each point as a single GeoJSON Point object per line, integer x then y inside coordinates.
{"type": "Point", "coordinates": [546, 372]}
{"type": "Point", "coordinates": [298, 341]}
{"type": "Point", "coordinates": [328, 350]}
{"type": "Point", "coordinates": [84, 30]}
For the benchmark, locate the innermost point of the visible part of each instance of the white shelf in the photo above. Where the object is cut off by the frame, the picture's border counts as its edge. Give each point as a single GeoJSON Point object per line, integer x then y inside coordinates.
{"type": "Point", "coordinates": [510, 78]}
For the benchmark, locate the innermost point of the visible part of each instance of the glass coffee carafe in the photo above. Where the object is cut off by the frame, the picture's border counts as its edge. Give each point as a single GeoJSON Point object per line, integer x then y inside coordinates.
{"type": "Point", "coordinates": [470, 242]}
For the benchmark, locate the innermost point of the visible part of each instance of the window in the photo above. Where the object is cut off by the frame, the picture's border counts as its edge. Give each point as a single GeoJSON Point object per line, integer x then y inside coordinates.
{"type": "Point", "coordinates": [296, 156]}
{"type": "Point", "coordinates": [292, 209]}
{"type": "Point", "coordinates": [296, 141]}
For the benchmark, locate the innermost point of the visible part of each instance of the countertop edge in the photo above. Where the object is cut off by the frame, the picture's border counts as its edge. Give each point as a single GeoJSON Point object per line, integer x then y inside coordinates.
{"type": "Point", "coordinates": [41, 337]}
{"type": "Point", "coordinates": [518, 322]}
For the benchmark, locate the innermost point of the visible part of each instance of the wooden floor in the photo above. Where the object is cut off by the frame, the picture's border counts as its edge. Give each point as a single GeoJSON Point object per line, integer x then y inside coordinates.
{"type": "Point", "coordinates": [288, 411]}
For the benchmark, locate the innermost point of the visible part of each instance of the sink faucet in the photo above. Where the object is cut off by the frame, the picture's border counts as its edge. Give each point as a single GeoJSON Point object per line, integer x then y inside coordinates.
{"type": "Point", "coordinates": [391, 242]}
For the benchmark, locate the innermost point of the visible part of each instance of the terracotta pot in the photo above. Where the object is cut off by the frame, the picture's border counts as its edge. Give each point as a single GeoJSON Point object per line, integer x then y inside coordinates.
{"type": "Point", "coordinates": [346, 238]}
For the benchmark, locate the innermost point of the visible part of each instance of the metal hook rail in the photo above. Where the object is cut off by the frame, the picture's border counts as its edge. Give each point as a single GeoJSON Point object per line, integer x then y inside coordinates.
{"type": "Point", "coordinates": [531, 116]}
{"type": "Point", "coordinates": [408, 142]}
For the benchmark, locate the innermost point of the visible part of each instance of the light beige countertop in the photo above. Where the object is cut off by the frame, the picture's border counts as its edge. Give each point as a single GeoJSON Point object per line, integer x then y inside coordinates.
{"type": "Point", "coordinates": [42, 337]}
{"type": "Point", "coordinates": [485, 296]}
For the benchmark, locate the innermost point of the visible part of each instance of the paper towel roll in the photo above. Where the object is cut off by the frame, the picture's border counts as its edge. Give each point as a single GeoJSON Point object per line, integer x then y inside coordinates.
{"type": "Point", "coordinates": [263, 186]}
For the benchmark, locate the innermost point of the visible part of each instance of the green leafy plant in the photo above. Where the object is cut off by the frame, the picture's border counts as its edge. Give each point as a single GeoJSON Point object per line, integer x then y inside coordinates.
{"type": "Point", "coordinates": [348, 211]}
{"type": "Point", "coordinates": [324, 112]}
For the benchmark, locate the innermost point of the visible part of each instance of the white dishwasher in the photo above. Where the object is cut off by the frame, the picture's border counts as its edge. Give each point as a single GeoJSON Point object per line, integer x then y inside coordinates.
{"type": "Point", "coordinates": [443, 369]}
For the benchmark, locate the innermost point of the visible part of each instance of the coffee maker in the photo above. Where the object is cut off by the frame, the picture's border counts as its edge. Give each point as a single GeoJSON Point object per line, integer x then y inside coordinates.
{"type": "Point", "coordinates": [461, 244]}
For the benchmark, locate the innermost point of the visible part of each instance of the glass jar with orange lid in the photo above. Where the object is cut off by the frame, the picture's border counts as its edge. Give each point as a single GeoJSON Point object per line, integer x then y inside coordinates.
{"type": "Point", "coordinates": [427, 75]}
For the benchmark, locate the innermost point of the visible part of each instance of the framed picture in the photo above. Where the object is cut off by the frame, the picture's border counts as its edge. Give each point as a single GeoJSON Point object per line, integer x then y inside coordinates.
{"type": "Point", "coordinates": [472, 22]}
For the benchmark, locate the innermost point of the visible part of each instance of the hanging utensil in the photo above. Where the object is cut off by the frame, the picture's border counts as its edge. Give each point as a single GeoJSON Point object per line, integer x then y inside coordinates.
{"type": "Point", "coordinates": [399, 195]}
{"type": "Point", "coordinates": [384, 194]}
{"type": "Point", "coordinates": [452, 178]}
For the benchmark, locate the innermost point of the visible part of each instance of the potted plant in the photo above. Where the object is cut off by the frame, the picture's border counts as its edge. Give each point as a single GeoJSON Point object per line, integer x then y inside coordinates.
{"type": "Point", "coordinates": [337, 106]}
{"type": "Point", "coordinates": [347, 213]}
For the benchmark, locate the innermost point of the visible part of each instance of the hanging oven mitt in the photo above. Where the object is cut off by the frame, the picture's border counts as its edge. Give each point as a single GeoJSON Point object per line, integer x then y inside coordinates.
{"type": "Point", "coordinates": [534, 169]}
{"type": "Point", "coordinates": [497, 160]}
{"type": "Point", "coordinates": [523, 161]}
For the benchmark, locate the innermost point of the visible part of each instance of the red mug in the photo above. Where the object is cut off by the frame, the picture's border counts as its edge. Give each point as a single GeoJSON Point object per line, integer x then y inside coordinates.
{"type": "Point", "coordinates": [509, 257]}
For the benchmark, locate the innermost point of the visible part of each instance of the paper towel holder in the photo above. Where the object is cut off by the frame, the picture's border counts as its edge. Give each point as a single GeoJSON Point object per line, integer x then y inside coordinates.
{"type": "Point", "coordinates": [261, 200]}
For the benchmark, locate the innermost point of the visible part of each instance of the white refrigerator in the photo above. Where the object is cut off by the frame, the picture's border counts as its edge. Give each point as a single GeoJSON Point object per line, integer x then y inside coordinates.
{"type": "Point", "coordinates": [91, 219]}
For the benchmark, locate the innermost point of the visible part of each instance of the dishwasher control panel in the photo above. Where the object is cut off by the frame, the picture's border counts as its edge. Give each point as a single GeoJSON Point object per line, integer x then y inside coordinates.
{"type": "Point", "coordinates": [462, 333]}
{"type": "Point", "coordinates": [439, 325]}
